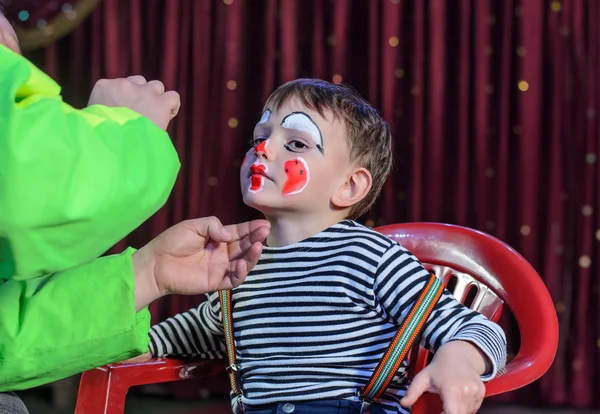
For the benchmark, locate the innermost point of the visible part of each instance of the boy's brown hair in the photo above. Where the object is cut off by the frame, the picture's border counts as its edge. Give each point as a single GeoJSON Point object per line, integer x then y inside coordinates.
{"type": "Point", "coordinates": [368, 136]}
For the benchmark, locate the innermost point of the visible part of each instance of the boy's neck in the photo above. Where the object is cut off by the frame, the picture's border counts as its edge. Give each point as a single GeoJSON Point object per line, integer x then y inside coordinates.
{"type": "Point", "coordinates": [291, 228]}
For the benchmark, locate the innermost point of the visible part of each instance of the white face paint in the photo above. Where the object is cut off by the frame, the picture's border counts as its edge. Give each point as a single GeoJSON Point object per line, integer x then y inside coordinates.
{"type": "Point", "coordinates": [302, 122]}
{"type": "Point", "coordinates": [265, 117]}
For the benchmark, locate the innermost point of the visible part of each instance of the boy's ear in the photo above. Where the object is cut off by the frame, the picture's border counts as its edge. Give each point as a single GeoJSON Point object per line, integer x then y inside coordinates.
{"type": "Point", "coordinates": [354, 189]}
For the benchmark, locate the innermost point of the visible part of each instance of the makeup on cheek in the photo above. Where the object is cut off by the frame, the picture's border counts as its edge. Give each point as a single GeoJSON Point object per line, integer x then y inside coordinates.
{"type": "Point", "coordinates": [298, 176]}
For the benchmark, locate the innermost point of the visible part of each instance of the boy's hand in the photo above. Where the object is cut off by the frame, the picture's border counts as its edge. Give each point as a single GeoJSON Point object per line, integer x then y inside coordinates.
{"type": "Point", "coordinates": [197, 256]}
{"type": "Point", "coordinates": [146, 98]}
{"type": "Point", "coordinates": [455, 375]}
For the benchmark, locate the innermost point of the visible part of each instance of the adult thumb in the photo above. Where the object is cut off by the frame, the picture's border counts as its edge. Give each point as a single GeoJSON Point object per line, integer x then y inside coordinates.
{"type": "Point", "coordinates": [416, 388]}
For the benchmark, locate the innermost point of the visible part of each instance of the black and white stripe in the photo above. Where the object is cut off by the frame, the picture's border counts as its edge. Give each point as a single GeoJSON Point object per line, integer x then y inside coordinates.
{"type": "Point", "coordinates": [313, 319]}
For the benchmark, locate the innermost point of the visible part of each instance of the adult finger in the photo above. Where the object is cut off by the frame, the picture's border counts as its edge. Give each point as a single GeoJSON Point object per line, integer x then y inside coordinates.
{"type": "Point", "coordinates": [137, 79]}
{"type": "Point", "coordinates": [174, 101]}
{"type": "Point", "coordinates": [241, 230]}
{"type": "Point", "coordinates": [209, 227]}
{"type": "Point", "coordinates": [157, 86]}
{"type": "Point", "coordinates": [238, 249]}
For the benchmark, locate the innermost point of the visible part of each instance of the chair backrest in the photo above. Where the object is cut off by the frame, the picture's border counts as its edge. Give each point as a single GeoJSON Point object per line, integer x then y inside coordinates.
{"type": "Point", "coordinates": [487, 274]}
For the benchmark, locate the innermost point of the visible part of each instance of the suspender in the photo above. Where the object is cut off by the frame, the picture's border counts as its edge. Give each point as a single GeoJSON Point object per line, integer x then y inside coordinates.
{"type": "Point", "coordinates": [232, 368]}
{"type": "Point", "coordinates": [402, 342]}
{"type": "Point", "coordinates": [391, 360]}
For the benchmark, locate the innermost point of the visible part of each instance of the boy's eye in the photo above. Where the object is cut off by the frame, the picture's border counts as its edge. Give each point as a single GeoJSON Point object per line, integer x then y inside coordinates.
{"type": "Point", "coordinates": [295, 146]}
{"type": "Point", "coordinates": [256, 141]}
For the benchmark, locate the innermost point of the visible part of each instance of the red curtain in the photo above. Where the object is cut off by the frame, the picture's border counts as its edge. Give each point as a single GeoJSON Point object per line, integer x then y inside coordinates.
{"type": "Point", "coordinates": [494, 107]}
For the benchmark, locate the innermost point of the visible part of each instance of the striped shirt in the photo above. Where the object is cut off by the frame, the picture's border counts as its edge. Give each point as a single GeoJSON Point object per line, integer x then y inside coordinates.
{"type": "Point", "coordinates": [313, 319]}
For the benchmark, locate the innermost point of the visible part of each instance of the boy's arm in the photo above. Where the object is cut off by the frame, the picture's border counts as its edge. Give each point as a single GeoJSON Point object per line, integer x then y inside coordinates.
{"type": "Point", "coordinates": [195, 333]}
{"type": "Point", "coordinates": [400, 279]}
{"type": "Point", "coordinates": [58, 325]}
{"type": "Point", "coordinates": [72, 182]}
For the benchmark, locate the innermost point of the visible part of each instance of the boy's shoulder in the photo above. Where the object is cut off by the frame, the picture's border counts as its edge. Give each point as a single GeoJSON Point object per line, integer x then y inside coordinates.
{"type": "Point", "coordinates": [353, 230]}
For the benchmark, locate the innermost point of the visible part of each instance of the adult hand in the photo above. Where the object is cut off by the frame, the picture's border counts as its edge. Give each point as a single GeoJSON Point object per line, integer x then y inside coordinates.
{"type": "Point", "coordinates": [197, 256]}
{"type": "Point", "coordinates": [146, 98]}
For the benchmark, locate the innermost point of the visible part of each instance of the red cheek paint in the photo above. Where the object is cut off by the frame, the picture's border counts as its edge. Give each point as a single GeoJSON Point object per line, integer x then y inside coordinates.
{"type": "Point", "coordinates": [297, 176]}
{"type": "Point", "coordinates": [257, 180]}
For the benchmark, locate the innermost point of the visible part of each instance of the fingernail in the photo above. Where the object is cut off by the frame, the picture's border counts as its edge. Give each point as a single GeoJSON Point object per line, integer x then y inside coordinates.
{"type": "Point", "coordinates": [225, 232]}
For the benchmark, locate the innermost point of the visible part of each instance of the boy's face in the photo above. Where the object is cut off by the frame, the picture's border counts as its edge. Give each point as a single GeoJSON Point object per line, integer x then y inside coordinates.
{"type": "Point", "coordinates": [296, 162]}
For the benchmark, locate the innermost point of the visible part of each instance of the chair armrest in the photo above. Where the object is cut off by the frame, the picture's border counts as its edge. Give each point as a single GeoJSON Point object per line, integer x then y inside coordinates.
{"type": "Point", "coordinates": [159, 370]}
{"type": "Point", "coordinates": [103, 390]}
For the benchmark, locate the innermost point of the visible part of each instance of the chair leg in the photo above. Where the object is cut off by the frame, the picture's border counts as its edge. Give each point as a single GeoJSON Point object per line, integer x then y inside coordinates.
{"type": "Point", "coordinates": [98, 395]}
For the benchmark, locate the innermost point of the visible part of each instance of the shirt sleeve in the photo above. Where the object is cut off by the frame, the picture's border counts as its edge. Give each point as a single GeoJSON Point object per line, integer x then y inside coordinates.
{"type": "Point", "coordinates": [399, 280]}
{"type": "Point", "coordinates": [72, 182]}
{"type": "Point", "coordinates": [61, 324]}
{"type": "Point", "coordinates": [195, 333]}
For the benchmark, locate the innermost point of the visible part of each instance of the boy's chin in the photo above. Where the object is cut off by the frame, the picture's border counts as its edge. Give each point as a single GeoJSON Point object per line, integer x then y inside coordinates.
{"type": "Point", "coordinates": [268, 204]}
{"type": "Point", "coordinates": [260, 202]}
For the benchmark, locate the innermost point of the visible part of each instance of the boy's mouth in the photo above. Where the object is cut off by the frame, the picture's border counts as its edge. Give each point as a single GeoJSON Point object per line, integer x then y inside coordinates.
{"type": "Point", "coordinates": [259, 170]}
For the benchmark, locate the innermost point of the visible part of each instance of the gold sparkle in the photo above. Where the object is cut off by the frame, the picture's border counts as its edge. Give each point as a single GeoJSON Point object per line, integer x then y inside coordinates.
{"type": "Point", "coordinates": [585, 261]}
{"type": "Point", "coordinates": [523, 85]}
{"type": "Point", "coordinates": [587, 210]}
{"type": "Point", "coordinates": [556, 6]}
{"type": "Point", "coordinates": [399, 72]}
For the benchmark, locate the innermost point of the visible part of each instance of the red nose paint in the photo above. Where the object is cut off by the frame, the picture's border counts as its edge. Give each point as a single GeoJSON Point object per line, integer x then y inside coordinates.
{"type": "Point", "coordinates": [256, 179]}
{"type": "Point", "coordinates": [262, 147]}
{"type": "Point", "coordinates": [297, 176]}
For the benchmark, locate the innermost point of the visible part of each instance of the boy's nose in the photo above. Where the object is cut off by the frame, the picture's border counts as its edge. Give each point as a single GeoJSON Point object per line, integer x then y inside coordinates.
{"type": "Point", "coordinates": [261, 150]}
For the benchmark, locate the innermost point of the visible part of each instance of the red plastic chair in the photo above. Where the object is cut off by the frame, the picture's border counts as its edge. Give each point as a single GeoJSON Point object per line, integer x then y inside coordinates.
{"type": "Point", "coordinates": [475, 266]}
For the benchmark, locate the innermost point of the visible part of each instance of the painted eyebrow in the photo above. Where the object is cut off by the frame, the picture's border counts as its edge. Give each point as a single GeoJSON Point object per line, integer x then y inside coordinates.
{"type": "Point", "coordinates": [266, 112]}
{"type": "Point", "coordinates": [319, 147]}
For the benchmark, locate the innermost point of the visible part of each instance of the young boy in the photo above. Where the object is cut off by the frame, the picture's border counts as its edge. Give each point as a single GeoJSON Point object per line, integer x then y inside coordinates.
{"type": "Point", "coordinates": [327, 296]}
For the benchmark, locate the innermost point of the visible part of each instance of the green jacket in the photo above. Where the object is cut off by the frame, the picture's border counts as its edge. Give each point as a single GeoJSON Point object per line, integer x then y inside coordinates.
{"type": "Point", "coordinates": [72, 183]}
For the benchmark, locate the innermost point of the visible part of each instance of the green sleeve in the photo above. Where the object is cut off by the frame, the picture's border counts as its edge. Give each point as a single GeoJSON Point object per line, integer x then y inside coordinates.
{"type": "Point", "coordinates": [58, 325]}
{"type": "Point", "coordinates": [72, 182]}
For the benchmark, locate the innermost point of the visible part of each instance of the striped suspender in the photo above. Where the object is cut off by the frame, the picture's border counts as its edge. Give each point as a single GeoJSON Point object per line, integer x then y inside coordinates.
{"type": "Point", "coordinates": [391, 360]}
{"type": "Point", "coordinates": [232, 368]}
{"type": "Point", "coordinates": [402, 342]}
